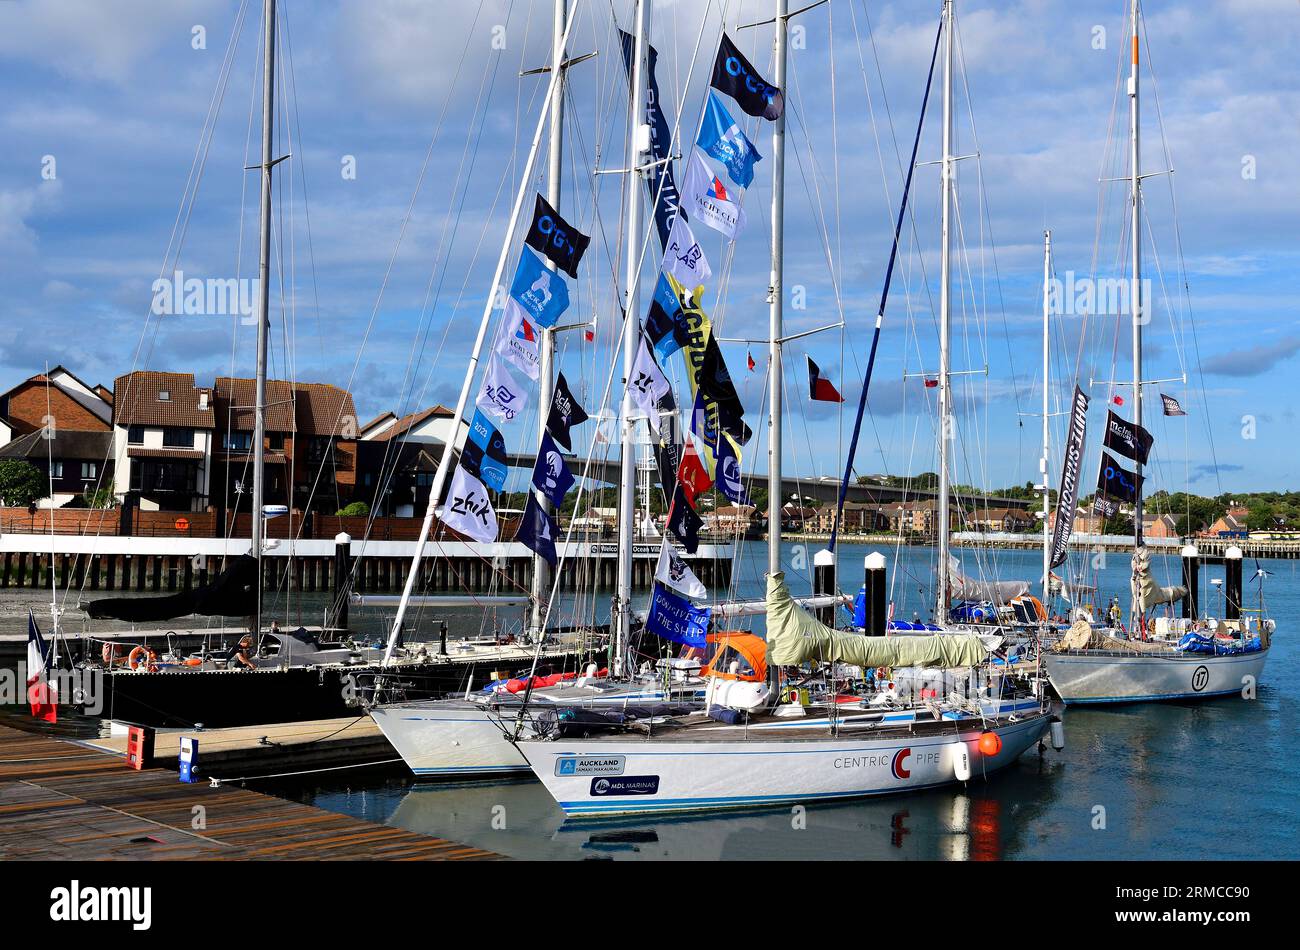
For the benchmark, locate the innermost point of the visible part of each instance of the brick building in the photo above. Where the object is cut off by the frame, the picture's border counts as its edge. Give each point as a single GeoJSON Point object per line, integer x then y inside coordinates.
{"type": "Point", "coordinates": [162, 441]}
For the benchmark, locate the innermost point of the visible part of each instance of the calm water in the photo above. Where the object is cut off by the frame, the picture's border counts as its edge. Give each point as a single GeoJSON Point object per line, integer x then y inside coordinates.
{"type": "Point", "coordinates": [1188, 780]}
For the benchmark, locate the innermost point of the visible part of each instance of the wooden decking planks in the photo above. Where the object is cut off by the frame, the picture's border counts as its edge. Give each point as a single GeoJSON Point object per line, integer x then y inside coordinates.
{"type": "Point", "coordinates": [62, 800]}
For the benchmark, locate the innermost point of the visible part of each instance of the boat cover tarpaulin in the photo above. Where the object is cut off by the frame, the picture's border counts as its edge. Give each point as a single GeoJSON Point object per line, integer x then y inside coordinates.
{"type": "Point", "coordinates": [795, 636]}
{"type": "Point", "coordinates": [232, 593]}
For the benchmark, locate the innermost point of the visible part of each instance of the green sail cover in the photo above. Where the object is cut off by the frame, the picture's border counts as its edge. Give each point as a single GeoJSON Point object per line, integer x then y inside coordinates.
{"type": "Point", "coordinates": [795, 636]}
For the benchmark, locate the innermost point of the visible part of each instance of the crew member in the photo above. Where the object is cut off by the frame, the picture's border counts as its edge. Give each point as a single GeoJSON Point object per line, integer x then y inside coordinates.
{"type": "Point", "coordinates": [239, 654]}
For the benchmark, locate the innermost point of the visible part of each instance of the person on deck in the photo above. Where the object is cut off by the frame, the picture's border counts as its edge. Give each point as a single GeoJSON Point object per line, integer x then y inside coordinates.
{"type": "Point", "coordinates": [239, 654]}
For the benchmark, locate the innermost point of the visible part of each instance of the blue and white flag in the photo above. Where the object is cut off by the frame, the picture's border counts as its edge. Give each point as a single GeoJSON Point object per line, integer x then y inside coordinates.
{"type": "Point", "coordinates": [517, 340]}
{"type": "Point", "coordinates": [677, 619]}
{"type": "Point", "coordinates": [666, 323]}
{"type": "Point", "coordinates": [468, 510]}
{"type": "Point", "coordinates": [501, 395]}
{"type": "Point", "coordinates": [721, 138]}
{"type": "Point", "coordinates": [683, 257]}
{"type": "Point", "coordinates": [551, 476]}
{"type": "Point", "coordinates": [729, 480]}
{"type": "Point", "coordinates": [708, 200]}
{"type": "Point", "coordinates": [484, 453]}
{"type": "Point", "coordinates": [677, 574]}
{"type": "Point", "coordinates": [648, 384]}
{"type": "Point", "coordinates": [542, 292]}
{"type": "Point", "coordinates": [537, 531]}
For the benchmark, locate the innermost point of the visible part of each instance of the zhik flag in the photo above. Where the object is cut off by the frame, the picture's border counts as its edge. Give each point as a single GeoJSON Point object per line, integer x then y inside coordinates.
{"type": "Point", "coordinates": [560, 241]}
{"type": "Point", "coordinates": [541, 292]}
{"type": "Point", "coordinates": [820, 389]}
{"type": "Point", "coordinates": [517, 341]}
{"type": "Point", "coordinates": [484, 453]}
{"type": "Point", "coordinates": [501, 395]}
{"type": "Point", "coordinates": [674, 572]}
{"type": "Point", "coordinates": [722, 139]}
{"type": "Point", "coordinates": [648, 384]}
{"type": "Point", "coordinates": [677, 619]}
{"type": "Point", "coordinates": [684, 522]}
{"type": "Point", "coordinates": [1116, 482]}
{"type": "Point", "coordinates": [684, 258]}
{"type": "Point", "coordinates": [565, 413]}
{"type": "Point", "coordinates": [468, 509]}
{"type": "Point", "coordinates": [41, 693]}
{"type": "Point", "coordinates": [551, 476]}
{"type": "Point", "coordinates": [537, 531]}
{"type": "Point", "coordinates": [1127, 438]}
{"type": "Point", "coordinates": [734, 75]}
{"type": "Point", "coordinates": [1171, 406]}
{"type": "Point", "coordinates": [730, 481]}
{"type": "Point", "coordinates": [707, 198]}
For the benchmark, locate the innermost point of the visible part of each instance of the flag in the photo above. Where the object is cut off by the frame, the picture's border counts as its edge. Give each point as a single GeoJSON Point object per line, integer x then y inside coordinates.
{"type": "Point", "coordinates": [501, 395]}
{"type": "Point", "coordinates": [42, 696]}
{"type": "Point", "coordinates": [1117, 400]}
{"type": "Point", "coordinates": [683, 521]}
{"type": "Point", "coordinates": [931, 384]}
{"type": "Point", "coordinates": [714, 379]}
{"type": "Point", "coordinates": [733, 75]}
{"type": "Point", "coordinates": [659, 181]}
{"type": "Point", "coordinates": [730, 481]}
{"type": "Point", "coordinates": [551, 476]}
{"type": "Point", "coordinates": [749, 359]}
{"type": "Point", "coordinates": [721, 138]}
{"type": "Point", "coordinates": [1104, 506]}
{"type": "Point", "coordinates": [820, 389]}
{"type": "Point", "coordinates": [676, 618]}
{"type": "Point", "coordinates": [674, 572]}
{"type": "Point", "coordinates": [666, 324]}
{"type": "Point", "coordinates": [540, 291]}
{"type": "Point", "coordinates": [537, 531]}
{"type": "Point", "coordinates": [590, 336]}
{"type": "Point", "coordinates": [1127, 438]}
{"type": "Point", "coordinates": [561, 242]}
{"type": "Point", "coordinates": [517, 340]}
{"type": "Point", "coordinates": [707, 198]}
{"type": "Point", "coordinates": [565, 413]}
{"type": "Point", "coordinates": [1172, 408]}
{"type": "Point", "coordinates": [468, 509]}
{"type": "Point", "coordinates": [1117, 483]}
{"type": "Point", "coordinates": [484, 453]}
{"type": "Point", "coordinates": [648, 384]}
{"type": "Point", "coordinates": [1070, 467]}
{"type": "Point", "coordinates": [692, 476]}
{"type": "Point", "coordinates": [683, 257]}
{"type": "Point", "coordinates": [668, 459]}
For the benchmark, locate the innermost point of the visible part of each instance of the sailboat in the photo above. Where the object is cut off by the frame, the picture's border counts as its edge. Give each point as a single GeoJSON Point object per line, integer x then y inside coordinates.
{"type": "Point", "coordinates": [1160, 658]}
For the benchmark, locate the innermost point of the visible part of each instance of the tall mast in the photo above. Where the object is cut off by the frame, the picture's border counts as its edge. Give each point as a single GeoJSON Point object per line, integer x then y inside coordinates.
{"type": "Point", "coordinates": [264, 276]}
{"type": "Point", "coordinates": [1135, 290]}
{"type": "Point", "coordinates": [1043, 463]}
{"type": "Point", "coordinates": [775, 299]}
{"type": "Point", "coordinates": [945, 320]}
{"type": "Point", "coordinates": [546, 345]}
{"type": "Point", "coordinates": [638, 141]}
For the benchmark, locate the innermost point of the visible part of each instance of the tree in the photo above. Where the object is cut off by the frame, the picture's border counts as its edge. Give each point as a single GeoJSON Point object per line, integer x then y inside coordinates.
{"type": "Point", "coordinates": [358, 509]}
{"type": "Point", "coordinates": [21, 483]}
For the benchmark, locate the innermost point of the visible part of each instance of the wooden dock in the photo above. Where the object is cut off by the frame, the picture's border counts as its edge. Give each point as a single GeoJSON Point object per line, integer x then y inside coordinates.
{"type": "Point", "coordinates": [61, 800]}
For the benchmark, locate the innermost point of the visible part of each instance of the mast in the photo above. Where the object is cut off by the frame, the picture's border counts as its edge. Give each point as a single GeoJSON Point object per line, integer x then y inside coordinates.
{"type": "Point", "coordinates": [775, 299]}
{"type": "Point", "coordinates": [1135, 290]}
{"type": "Point", "coordinates": [546, 345]}
{"type": "Point", "coordinates": [1043, 466]}
{"type": "Point", "coordinates": [945, 321]}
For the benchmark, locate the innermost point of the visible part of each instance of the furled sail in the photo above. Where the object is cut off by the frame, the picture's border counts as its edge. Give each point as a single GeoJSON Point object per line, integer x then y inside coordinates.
{"type": "Point", "coordinates": [232, 593]}
{"type": "Point", "coordinates": [795, 636]}
{"type": "Point", "coordinates": [967, 588]}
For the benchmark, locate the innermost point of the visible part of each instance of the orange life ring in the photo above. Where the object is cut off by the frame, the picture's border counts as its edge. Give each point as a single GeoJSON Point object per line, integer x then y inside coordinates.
{"type": "Point", "coordinates": [138, 656]}
{"type": "Point", "coordinates": [109, 654]}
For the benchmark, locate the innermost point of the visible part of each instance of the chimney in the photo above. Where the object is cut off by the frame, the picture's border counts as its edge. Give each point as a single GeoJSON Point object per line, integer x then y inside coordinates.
{"type": "Point", "coordinates": [203, 399]}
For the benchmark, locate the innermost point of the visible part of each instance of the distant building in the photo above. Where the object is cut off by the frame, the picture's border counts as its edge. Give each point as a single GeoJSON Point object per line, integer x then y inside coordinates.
{"type": "Point", "coordinates": [397, 459]}
{"type": "Point", "coordinates": [1159, 526]}
{"type": "Point", "coordinates": [163, 428]}
{"type": "Point", "coordinates": [857, 518]}
{"type": "Point", "coordinates": [1010, 520]}
{"type": "Point", "coordinates": [734, 519]}
{"type": "Point", "coordinates": [1233, 520]}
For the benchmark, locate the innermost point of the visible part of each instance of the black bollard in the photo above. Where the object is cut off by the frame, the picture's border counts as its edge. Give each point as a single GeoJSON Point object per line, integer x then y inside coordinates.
{"type": "Point", "coordinates": [875, 585]}
{"type": "Point", "coordinates": [824, 583]}
{"type": "Point", "coordinates": [1191, 581]}
{"type": "Point", "coordinates": [342, 579]}
{"type": "Point", "coordinates": [1232, 583]}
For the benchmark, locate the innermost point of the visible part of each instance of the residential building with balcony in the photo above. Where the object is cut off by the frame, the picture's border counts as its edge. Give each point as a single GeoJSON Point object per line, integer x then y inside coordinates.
{"type": "Point", "coordinates": [163, 428]}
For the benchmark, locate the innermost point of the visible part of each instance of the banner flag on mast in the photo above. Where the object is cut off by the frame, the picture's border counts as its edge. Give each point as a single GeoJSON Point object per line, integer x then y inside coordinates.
{"type": "Point", "coordinates": [692, 476]}
{"type": "Point", "coordinates": [565, 413]}
{"type": "Point", "coordinates": [42, 695]}
{"type": "Point", "coordinates": [484, 453]}
{"type": "Point", "coordinates": [1171, 406]}
{"type": "Point", "coordinates": [517, 341]}
{"type": "Point", "coordinates": [561, 242]}
{"type": "Point", "coordinates": [648, 384]}
{"type": "Point", "coordinates": [708, 200]}
{"type": "Point", "coordinates": [1127, 438]}
{"type": "Point", "coordinates": [537, 531]}
{"type": "Point", "coordinates": [1118, 483]}
{"type": "Point", "coordinates": [684, 522]}
{"type": "Point", "coordinates": [677, 619]}
{"type": "Point", "coordinates": [551, 476]}
{"type": "Point", "coordinates": [501, 395]}
{"type": "Point", "coordinates": [734, 75]}
{"type": "Point", "coordinates": [674, 572]}
{"type": "Point", "coordinates": [468, 510]}
{"type": "Point", "coordinates": [666, 323]}
{"type": "Point", "coordinates": [683, 257]}
{"type": "Point", "coordinates": [722, 139]}
{"type": "Point", "coordinates": [659, 180]}
{"type": "Point", "coordinates": [820, 389]}
{"type": "Point", "coordinates": [540, 291]}
{"type": "Point", "coordinates": [1068, 496]}
{"type": "Point", "coordinates": [730, 481]}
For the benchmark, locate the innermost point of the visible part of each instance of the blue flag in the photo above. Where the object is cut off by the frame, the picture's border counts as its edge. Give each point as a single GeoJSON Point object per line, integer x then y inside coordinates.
{"type": "Point", "coordinates": [551, 476]}
{"type": "Point", "coordinates": [542, 292]}
{"type": "Point", "coordinates": [537, 531]}
{"type": "Point", "coordinates": [659, 181]}
{"type": "Point", "coordinates": [666, 325]}
{"type": "Point", "coordinates": [484, 453]}
{"type": "Point", "coordinates": [676, 618]}
{"type": "Point", "coordinates": [721, 138]}
{"type": "Point", "coordinates": [729, 480]}
{"type": "Point", "coordinates": [683, 522]}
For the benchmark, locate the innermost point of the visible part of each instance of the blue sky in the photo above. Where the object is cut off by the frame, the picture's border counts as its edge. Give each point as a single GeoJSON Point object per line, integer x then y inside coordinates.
{"type": "Point", "coordinates": [117, 95]}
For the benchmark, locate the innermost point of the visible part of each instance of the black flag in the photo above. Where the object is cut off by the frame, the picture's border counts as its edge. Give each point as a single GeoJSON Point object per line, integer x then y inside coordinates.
{"type": "Point", "coordinates": [537, 531]}
{"type": "Point", "coordinates": [1127, 438]}
{"type": "Point", "coordinates": [565, 413]}
{"type": "Point", "coordinates": [1068, 495]}
{"type": "Point", "coordinates": [1172, 408]}
{"type": "Point", "coordinates": [734, 75]}
{"type": "Point", "coordinates": [560, 241]}
{"type": "Point", "coordinates": [683, 521]}
{"type": "Point", "coordinates": [1118, 483]}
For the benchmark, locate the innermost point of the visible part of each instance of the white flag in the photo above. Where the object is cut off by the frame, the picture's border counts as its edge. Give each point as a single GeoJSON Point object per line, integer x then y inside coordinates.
{"type": "Point", "coordinates": [648, 384]}
{"type": "Point", "coordinates": [468, 509]}
{"type": "Point", "coordinates": [517, 340]}
{"type": "Point", "coordinates": [708, 199]}
{"type": "Point", "coordinates": [673, 572]}
{"type": "Point", "coordinates": [684, 258]}
{"type": "Point", "coordinates": [501, 396]}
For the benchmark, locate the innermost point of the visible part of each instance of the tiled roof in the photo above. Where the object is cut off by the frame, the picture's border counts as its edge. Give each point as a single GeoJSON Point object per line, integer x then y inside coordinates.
{"type": "Point", "coordinates": [326, 410]}
{"type": "Point", "coordinates": [136, 452]}
{"type": "Point", "coordinates": [410, 421]}
{"type": "Point", "coordinates": [136, 401]}
{"type": "Point", "coordinates": [67, 444]}
{"type": "Point", "coordinates": [234, 398]}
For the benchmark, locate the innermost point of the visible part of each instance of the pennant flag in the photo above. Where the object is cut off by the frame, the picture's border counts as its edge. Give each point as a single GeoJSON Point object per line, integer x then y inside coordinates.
{"type": "Point", "coordinates": [1071, 464]}
{"type": "Point", "coordinates": [537, 531]}
{"type": "Point", "coordinates": [542, 293]}
{"type": "Point", "coordinates": [551, 476]}
{"type": "Point", "coordinates": [660, 184]}
{"type": "Point", "coordinates": [931, 384]}
{"type": "Point", "coordinates": [468, 510]}
{"type": "Point", "coordinates": [517, 341]}
{"type": "Point", "coordinates": [648, 384]}
{"type": "Point", "coordinates": [721, 138]}
{"type": "Point", "coordinates": [42, 696]}
{"type": "Point", "coordinates": [674, 572]}
{"type": "Point", "coordinates": [692, 477]}
{"type": "Point", "coordinates": [733, 75]}
{"type": "Point", "coordinates": [684, 522]}
{"type": "Point", "coordinates": [501, 395]}
{"type": "Point", "coordinates": [565, 413]}
{"type": "Point", "coordinates": [707, 199]}
{"type": "Point", "coordinates": [1115, 482]}
{"type": "Point", "coordinates": [749, 358]}
{"type": "Point", "coordinates": [730, 481]}
{"type": "Point", "coordinates": [484, 453]}
{"type": "Point", "coordinates": [677, 619]}
{"type": "Point", "coordinates": [820, 388]}
{"type": "Point", "coordinates": [1117, 400]}
{"type": "Point", "coordinates": [666, 324]}
{"type": "Point", "coordinates": [1104, 506]}
{"type": "Point", "coordinates": [1172, 408]}
{"type": "Point", "coordinates": [590, 335]}
{"type": "Point", "coordinates": [561, 242]}
{"type": "Point", "coordinates": [683, 257]}
{"type": "Point", "coordinates": [1127, 438]}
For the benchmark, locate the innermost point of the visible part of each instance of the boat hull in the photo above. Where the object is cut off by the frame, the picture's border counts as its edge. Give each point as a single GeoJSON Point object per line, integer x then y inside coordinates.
{"type": "Point", "coordinates": [1097, 677]}
{"type": "Point", "coordinates": [632, 776]}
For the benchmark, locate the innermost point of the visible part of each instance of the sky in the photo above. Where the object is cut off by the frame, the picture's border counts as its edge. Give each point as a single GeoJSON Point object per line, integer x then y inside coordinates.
{"type": "Point", "coordinates": [128, 126]}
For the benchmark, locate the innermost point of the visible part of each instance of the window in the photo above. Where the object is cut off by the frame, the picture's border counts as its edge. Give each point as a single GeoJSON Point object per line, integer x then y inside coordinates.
{"type": "Point", "coordinates": [238, 441]}
{"type": "Point", "coordinates": [178, 437]}
{"type": "Point", "coordinates": [57, 470]}
{"type": "Point", "coordinates": [90, 470]}
{"type": "Point", "coordinates": [135, 435]}
{"type": "Point", "coordinates": [164, 395]}
{"type": "Point", "coordinates": [275, 440]}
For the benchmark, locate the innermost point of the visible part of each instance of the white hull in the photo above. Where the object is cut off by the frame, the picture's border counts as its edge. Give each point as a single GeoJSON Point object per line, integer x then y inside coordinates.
{"type": "Point", "coordinates": [1099, 677]}
{"type": "Point", "coordinates": [633, 775]}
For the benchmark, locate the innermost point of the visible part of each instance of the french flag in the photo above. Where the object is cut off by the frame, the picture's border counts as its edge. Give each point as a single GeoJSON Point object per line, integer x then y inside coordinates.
{"type": "Point", "coordinates": [41, 694]}
{"type": "Point", "coordinates": [820, 389]}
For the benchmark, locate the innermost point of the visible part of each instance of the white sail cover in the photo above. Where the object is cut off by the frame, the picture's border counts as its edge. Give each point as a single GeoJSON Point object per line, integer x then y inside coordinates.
{"type": "Point", "coordinates": [795, 636]}
{"type": "Point", "coordinates": [966, 588]}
